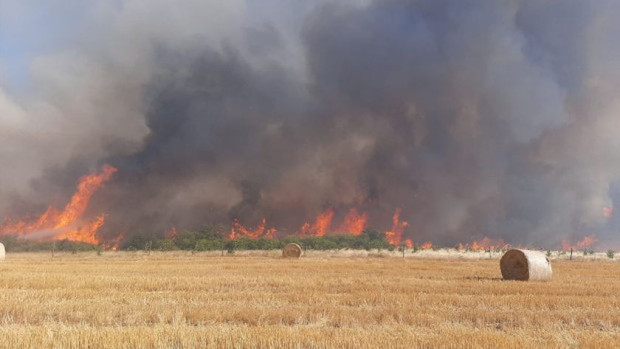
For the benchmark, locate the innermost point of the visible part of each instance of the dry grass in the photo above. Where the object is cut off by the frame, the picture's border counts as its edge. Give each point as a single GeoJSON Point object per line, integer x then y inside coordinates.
{"type": "Point", "coordinates": [178, 300]}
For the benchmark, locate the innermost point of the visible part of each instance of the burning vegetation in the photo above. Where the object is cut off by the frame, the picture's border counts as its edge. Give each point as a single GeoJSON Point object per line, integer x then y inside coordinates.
{"type": "Point", "coordinates": [74, 225]}
{"type": "Point", "coordinates": [501, 128]}
{"type": "Point", "coordinates": [583, 244]}
{"type": "Point", "coordinates": [486, 244]}
{"type": "Point", "coordinates": [312, 121]}
{"type": "Point", "coordinates": [395, 235]}
{"type": "Point", "coordinates": [70, 223]}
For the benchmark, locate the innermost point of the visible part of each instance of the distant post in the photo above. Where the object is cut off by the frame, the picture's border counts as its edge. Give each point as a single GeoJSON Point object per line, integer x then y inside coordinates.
{"type": "Point", "coordinates": [148, 246]}
{"type": "Point", "coordinates": [571, 253]}
{"type": "Point", "coordinates": [53, 247]}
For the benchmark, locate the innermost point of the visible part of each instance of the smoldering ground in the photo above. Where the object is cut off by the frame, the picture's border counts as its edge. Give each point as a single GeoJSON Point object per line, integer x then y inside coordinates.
{"type": "Point", "coordinates": [476, 118]}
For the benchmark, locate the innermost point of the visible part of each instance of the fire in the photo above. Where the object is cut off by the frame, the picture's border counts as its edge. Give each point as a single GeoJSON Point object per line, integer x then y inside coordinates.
{"type": "Point", "coordinates": [320, 225]}
{"type": "Point", "coordinates": [354, 223]}
{"type": "Point", "coordinates": [271, 233]}
{"type": "Point", "coordinates": [486, 244]}
{"type": "Point", "coordinates": [395, 235]}
{"type": "Point", "coordinates": [114, 243]}
{"type": "Point", "coordinates": [408, 243]}
{"type": "Point", "coordinates": [426, 246]}
{"type": "Point", "coordinates": [67, 224]}
{"type": "Point", "coordinates": [587, 241]}
{"type": "Point", "coordinates": [608, 212]}
{"type": "Point", "coordinates": [86, 233]}
{"type": "Point", "coordinates": [583, 244]}
{"type": "Point", "coordinates": [171, 234]}
{"type": "Point", "coordinates": [238, 230]}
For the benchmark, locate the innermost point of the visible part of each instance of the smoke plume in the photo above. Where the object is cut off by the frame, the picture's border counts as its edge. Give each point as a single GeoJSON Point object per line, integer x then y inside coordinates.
{"type": "Point", "coordinates": [474, 118]}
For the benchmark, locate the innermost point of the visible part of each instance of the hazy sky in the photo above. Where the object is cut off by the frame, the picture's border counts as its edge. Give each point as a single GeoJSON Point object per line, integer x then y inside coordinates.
{"type": "Point", "coordinates": [475, 118]}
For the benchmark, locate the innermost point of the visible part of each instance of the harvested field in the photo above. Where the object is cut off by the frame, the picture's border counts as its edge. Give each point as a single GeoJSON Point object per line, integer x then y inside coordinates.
{"type": "Point", "coordinates": [179, 300]}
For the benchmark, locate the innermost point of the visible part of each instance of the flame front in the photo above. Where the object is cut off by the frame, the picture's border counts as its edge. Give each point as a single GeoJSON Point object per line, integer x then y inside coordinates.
{"type": "Point", "coordinates": [114, 244]}
{"type": "Point", "coordinates": [67, 224]}
{"type": "Point", "coordinates": [86, 233]}
{"type": "Point", "coordinates": [486, 244]}
{"type": "Point", "coordinates": [583, 244]}
{"type": "Point", "coordinates": [608, 212]}
{"type": "Point", "coordinates": [395, 235]}
{"type": "Point", "coordinates": [320, 225]}
{"type": "Point", "coordinates": [426, 246]}
{"type": "Point", "coordinates": [238, 230]}
{"type": "Point", "coordinates": [354, 223]}
{"type": "Point", "coordinates": [171, 234]}
{"type": "Point", "coordinates": [408, 243]}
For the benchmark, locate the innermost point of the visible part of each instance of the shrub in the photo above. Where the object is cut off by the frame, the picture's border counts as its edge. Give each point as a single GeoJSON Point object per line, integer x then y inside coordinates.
{"type": "Point", "coordinates": [14, 244]}
{"type": "Point", "coordinates": [140, 241]}
{"type": "Point", "coordinates": [230, 246]}
{"type": "Point", "coordinates": [610, 254]}
{"type": "Point", "coordinates": [167, 245]}
{"type": "Point", "coordinates": [186, 240]}
{"type": "Point", "coordinates": [209, 245]}
{"type": "Point", "coordinates": [213, 238]}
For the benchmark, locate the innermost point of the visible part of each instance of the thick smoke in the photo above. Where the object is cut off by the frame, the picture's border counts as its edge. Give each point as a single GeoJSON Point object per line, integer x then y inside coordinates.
{"type": "Point", "coordinates": [476, 118]}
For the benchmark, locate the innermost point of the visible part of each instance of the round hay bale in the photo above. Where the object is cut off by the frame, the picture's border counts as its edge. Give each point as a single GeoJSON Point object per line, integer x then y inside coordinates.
{"type": "Point", "coordinates": [525, 265]}
{"type": "Point", "coordinates": [291, 250]}
{"type": "Point", "coordinates": [2, 251]}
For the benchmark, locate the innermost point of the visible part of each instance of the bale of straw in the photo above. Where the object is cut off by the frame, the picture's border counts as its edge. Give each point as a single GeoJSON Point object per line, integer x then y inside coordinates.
{"type": "Point", "coordinates": [2, 252]}
{"type": "Point", "coordinates": [525, 265]}
{"type": "Point", "coordinates": [291, 250]}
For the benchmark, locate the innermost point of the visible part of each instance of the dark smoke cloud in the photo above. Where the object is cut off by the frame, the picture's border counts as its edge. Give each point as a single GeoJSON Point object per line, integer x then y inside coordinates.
{"type": "Point", "coordinates": [477, 118]}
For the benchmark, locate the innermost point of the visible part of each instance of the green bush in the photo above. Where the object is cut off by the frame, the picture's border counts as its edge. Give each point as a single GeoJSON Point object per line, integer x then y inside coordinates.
{"type": "Point", "coordinates": [14, 244]}
{"type": "Point", "coordinates": [209, 245]}
{"type": "Point", "coordinates": [186, 240]}
{"type": "Point", "coordinates": [167, 245]}
{"type": "Point", "coordinates": [213, 238]}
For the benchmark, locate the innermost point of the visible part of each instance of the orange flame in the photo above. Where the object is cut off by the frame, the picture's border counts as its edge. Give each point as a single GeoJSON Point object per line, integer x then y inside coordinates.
{"type": "Point", "coordinates": [426, 246]}
{"type": "Point", "coordinates": [395, 235]}
{"type": "Point", "coordinates": [271, 233]}
{"type": "Point", "coordinates": [171, 234]}
{"type": "Point", "coordinates": [67, 224]}
{"type": "Point", "coordinates": [584, 243]}
{"type": "Point", "coordinates": [587, 241]}
{"type": "Point", "coordinates": [608, 212]}
{"type": "Point", "coordinates": [354, 223]}
{"type": "Point", "coordinates": [320, 225]}
{"type": "Point", "coordinates": [486, 244]}
{"type": "Point", "coordinates": [566, 245]}
{"type": "Point", "coordinates": [408, 243]}
{"type": "Point", "coordinates": [86, 233]}
{"type": "Point", "coordinates": [113, 244]}
{"type": "Point", "coordinates": [238, 230]}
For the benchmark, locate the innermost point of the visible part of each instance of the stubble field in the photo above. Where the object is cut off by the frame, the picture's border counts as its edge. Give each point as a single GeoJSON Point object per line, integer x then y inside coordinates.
{"type": "Point", "coordinates": [179, 300]}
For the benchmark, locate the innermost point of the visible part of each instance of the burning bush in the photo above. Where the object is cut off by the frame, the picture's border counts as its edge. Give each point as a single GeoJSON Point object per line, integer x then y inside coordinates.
{"type": "Point", "coordinates": [215, 238]}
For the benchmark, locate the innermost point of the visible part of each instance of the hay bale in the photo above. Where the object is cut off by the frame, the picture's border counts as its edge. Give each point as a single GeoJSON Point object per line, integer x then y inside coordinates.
{"type": "Point", "coordinates": [525, 265]}
{"type": "Point", "coordinates": [291, 250]}
{"type": "Point", "coordinates": [2, 252]}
